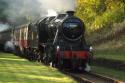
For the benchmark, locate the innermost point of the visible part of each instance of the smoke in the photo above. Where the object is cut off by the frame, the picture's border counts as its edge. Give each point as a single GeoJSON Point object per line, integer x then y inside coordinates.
{"type": "Point", "coordinates": [58, 5]}
{"type": "Point", "coordinates": [9, 46]}
{"type": "Point", "coordinates": [22, 11]}
{"type": "Point", "coordinates": [3, 26]}
{"type": "Point", "coordinates": [51, 12]}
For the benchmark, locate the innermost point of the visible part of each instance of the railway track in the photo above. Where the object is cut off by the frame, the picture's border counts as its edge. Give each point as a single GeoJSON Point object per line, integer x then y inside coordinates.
{"type": "Point", "coordinates": [91, 78]}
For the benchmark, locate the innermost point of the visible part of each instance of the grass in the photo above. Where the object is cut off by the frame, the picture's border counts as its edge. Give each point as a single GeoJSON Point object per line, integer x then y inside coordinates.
{"type": "Point", "coordinates": [16, 70]}
{"type": "Point", "coordinates": [111, 50]}
{"type": "Point", "coordinates": [110, 54]}
{"type": "Point", "coordinates": [120, 75]}
{"type": "Point", "coordinates": [114, 49]}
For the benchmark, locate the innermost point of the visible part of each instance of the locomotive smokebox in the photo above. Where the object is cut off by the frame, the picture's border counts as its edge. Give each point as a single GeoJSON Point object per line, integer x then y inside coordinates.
{"type": "Point", "coordinates": [70, 13]}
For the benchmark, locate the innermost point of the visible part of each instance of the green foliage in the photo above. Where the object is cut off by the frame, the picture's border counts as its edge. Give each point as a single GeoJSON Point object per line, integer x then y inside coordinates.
{"type": "Point", "coordinates": [99, 14]}
{"type": "Point", "coordinates": [85, 11]}
{"type": "Point", "coordinates": [114, 13]}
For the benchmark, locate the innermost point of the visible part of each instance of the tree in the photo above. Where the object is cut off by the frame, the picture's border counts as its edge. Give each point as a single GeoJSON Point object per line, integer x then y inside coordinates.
{"type": "Point", "coordinates": [99, 14]}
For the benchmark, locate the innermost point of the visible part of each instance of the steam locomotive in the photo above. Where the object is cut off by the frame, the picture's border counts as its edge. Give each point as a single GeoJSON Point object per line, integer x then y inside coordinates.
{"type": "Point", "coordinates": [56, 40]}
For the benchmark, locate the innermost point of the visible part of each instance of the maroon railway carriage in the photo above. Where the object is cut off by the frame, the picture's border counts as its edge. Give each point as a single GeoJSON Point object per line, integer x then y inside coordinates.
{"type": "Point", "coordinates": [20, 37]}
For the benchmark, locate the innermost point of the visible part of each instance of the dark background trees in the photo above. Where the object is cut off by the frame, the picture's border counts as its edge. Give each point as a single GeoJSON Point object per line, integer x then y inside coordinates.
{"type": "Point", "coordinates": [3, 6]}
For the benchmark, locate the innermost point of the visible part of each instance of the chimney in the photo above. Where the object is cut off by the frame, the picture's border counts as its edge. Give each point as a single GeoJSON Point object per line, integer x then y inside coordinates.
{"type": "Point", "coordinates": [70, 13]}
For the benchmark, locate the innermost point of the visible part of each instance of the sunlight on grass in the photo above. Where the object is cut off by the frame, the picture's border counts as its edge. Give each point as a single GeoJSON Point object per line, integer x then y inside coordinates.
{"type": "Point", "coordinates": [12, 59]}
{"type": "Point", "coordinates": [16, 70]}
{"type": "Point", "coordinates": [57, 79]}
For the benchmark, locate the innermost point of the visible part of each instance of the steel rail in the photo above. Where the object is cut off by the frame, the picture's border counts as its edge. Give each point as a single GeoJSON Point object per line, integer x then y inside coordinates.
{"type": "Point", "coordinates": [91, 77]}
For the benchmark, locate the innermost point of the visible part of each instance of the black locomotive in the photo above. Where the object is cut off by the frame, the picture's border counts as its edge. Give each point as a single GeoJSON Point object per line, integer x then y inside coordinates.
{"type": "Point", "coordinates": [57, 39]}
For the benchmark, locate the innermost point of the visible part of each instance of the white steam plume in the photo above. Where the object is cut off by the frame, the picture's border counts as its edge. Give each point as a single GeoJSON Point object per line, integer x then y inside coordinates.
{"type": "Point", "coordinates": [58, 5]}
{"type": "Point", "coordinates": [22, 10]}
{"type": "Point", "coordinates": [25, 10]}
{"type": "Point", "coordinates": [9, 46]}
{"type": "Point", "coordinates": [51, 12]}
{"type": "Point", "coordinates": [3, 26]}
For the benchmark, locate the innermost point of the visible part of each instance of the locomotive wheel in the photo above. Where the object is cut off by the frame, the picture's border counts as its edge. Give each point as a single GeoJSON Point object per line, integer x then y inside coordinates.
{"type": "Point", "coordinates": [60, 64]}
{"type": "Point", "coordinates": [34, 55]}
{"type": "Point", "coordinates": [30, 54]}
{"type": "Point", "coordinates": [37, 55]}
{"type": "Point", "coordinates": [40, 57]}
{"type": "Point", "coordinates": [50, 55]}
{"type": "Point", "coordinates": [90, 57]}
{"type": "Point", "coordinates": [26, 53]}
{"type": "Point", "coordinates": [46, 58]}
{"type": "Point", "coordinates": [17, 51]}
